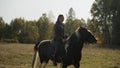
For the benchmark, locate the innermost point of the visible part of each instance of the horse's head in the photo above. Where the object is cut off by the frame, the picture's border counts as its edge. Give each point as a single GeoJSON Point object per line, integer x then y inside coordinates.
{"type": "Point", "coordinates": [85, 35]}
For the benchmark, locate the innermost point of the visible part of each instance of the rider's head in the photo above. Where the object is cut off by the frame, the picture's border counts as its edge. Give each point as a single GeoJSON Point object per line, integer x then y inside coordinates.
{"type": "Point", "coordinates": [60, 18]}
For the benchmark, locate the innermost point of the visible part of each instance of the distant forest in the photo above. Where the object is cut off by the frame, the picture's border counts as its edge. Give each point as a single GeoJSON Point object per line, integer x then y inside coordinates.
{"type": "Point", "coordinates": [105, 25]}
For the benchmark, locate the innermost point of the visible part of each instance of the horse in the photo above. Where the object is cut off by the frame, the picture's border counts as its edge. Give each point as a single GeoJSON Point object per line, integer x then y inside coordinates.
{"type": "Point", "coordinates": [72, 48]}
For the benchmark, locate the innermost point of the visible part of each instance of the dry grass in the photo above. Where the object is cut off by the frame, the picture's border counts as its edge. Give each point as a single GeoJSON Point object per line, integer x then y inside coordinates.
{"type": "Point", "coordinates": [94, 57]}
{"type": "Point", "coordinates": [15, 55]}
{"type": "Point", "coordinates": [20, 56]}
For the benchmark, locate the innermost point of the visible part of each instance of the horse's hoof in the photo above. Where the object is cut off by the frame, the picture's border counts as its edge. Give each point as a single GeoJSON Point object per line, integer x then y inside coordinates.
{"type": "Point", "coordinates": [55, 63]}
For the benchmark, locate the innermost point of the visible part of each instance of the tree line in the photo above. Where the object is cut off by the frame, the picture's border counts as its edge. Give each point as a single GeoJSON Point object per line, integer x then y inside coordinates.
{"type": "Point", "coordinates": [24, 31]}
{"type": "Point", "coordinates": [104, 25]}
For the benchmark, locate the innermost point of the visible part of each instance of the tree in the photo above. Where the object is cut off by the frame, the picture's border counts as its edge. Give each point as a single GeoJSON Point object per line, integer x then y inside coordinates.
{"type": "Point", "coordinates": [115, 13]}
{"type": "Point", "coordinates": [24, 31]}
{"type": "Point", "coordinates": [51, 16]}
{"type": "Point", "coordinates": [44, 27]}
{"type": "Point", "coordinates": [29, 33]}
{"type": "Point", "coordinates": [17, 26]}
{"type": "Point", "coordinates": [100, 12]}
{"type": "Point", "coordinates": [2, 28]}
{"type": "Point", "coordinates": [70, 21]}
{"type": "Point", "coordinates": [71, 14]}
{"type": "Point", "coordinates": [95, 29]}
{"type": "Point", "coordinates": [107, 14]}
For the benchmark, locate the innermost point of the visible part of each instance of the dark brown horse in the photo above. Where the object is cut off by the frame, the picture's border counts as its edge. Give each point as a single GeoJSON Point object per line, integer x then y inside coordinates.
{"type": "Point", "coordinates": [72, 49]}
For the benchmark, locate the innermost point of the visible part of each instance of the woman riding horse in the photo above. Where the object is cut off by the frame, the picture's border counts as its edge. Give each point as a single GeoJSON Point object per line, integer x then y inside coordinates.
{"type": "Point", "coordinates": [58, 41]}
{"type": "Point", "coordinates": [75, 43]}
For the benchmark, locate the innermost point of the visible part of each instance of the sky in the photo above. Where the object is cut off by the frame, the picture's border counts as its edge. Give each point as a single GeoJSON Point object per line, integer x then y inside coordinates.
{"type": "Point", "coordinates": [33, 9]}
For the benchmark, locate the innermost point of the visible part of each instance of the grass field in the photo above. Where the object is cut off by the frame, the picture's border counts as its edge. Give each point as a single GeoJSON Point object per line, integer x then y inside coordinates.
{"type": "Point", "coordinates": [20, 56]}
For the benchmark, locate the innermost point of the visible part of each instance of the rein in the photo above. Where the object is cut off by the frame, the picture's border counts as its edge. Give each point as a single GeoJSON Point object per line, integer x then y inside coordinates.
{"type": "Point", "coordinates": [77, 35]}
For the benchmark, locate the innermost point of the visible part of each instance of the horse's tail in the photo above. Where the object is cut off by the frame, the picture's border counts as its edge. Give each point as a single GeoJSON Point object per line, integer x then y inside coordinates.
{"type": "Point", "coordinates": [35, 56]}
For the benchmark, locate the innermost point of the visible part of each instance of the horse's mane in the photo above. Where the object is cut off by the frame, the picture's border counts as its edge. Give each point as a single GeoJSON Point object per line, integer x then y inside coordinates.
{"type": "Point", "coordinates": [77, 31]}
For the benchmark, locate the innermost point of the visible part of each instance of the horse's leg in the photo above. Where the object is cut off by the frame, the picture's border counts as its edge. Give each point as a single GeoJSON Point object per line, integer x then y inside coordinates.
{"type": "Point", "coordinates": [43, 65]}
{"type": "Point", "coordinates": [59, 65]}
{"type": "Point", "coordinates": [76, 65]}
{"type": "Point", "coordinates": [64, 66]}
